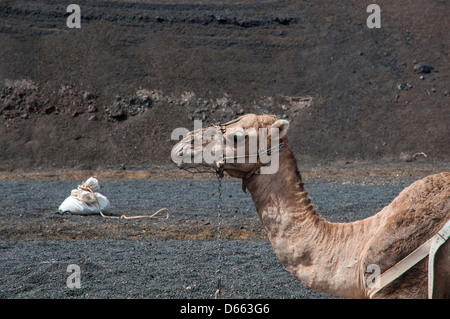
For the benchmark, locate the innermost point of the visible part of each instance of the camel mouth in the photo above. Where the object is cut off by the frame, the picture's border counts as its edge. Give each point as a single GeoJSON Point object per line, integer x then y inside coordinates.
{"type": "Point", "coordinates": [192, 159]}
{"type": "Point", "coordinates": [183, 165]}
{"type": "Point", "coordinates": [188, 165]}
{"type": "Point", "coordinates": [179, 163]}
{"type": "Point", "coordinates": [196, 168]}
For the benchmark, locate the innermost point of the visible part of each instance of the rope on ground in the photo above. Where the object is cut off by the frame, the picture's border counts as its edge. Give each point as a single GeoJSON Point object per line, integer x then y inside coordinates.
{"type": "Point", "coordinates": [86, 188]}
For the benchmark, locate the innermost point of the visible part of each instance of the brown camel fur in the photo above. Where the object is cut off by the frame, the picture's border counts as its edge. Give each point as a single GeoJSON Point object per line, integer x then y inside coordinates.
{"type": "Point", "coordinates": [334, 257]}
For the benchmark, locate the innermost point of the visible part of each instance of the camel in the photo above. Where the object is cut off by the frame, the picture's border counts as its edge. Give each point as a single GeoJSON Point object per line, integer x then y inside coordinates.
{"type": "Point", "coordinates": [334, 258]}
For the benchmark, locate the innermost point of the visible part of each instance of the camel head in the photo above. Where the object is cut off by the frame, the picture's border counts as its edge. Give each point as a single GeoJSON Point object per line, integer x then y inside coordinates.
{"type": "Point", "coordinates": [239, 147]}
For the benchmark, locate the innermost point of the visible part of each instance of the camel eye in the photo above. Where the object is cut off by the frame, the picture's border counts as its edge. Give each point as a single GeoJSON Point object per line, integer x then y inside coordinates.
{"type": "Point", "coordinates": [236, 136]}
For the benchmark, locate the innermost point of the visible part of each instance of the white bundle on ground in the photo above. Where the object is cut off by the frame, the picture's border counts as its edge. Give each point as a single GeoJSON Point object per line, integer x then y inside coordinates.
{"type": "Point", "coordinates": [85, 200]}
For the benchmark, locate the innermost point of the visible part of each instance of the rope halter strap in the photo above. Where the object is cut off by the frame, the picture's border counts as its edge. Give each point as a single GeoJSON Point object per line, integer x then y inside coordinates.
{"type": "Point", "coordinates": [221, 130]}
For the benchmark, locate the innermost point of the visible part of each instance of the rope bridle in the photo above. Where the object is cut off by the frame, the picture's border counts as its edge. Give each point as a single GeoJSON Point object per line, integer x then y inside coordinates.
{"type": "Point", "coordinates": [221, 130]}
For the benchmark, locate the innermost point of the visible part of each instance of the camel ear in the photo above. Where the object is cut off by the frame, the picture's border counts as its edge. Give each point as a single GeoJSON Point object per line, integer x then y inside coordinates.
{"type": "Point", "coordinates": [282, 126]}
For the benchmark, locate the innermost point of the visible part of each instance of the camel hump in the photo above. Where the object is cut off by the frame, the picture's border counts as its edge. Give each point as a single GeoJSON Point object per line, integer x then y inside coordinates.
{"type": "Point", "coordinates": [425, 199]}
{"type": "Point", "coordinates": [413, 217]}
{"type": "Point", "coordinates": [434, 190]}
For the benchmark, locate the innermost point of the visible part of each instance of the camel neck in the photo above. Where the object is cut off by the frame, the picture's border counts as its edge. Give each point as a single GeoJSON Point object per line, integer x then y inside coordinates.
{"type": "Point", "coordinates": [283, 193]}
{"type": "Point", "coordinates": [322, 255]}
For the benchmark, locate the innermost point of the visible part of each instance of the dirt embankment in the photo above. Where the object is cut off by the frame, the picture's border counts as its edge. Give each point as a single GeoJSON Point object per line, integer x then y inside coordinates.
{"type": "Point", "coordinates": [111, 92]}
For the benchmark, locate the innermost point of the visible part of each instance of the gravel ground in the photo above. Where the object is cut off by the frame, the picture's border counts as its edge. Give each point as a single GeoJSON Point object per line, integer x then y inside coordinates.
{"type": "Point", "coordinates": [175, 258]}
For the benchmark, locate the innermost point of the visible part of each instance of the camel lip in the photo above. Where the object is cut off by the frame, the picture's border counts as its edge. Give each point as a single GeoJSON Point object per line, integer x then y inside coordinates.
{"type": "Point", "coordinates": [195, 168]}
{"type": "Point", "coordinates": [183, 165]}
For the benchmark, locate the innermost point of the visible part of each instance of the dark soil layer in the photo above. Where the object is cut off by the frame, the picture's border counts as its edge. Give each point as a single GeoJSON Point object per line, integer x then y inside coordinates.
{"type": "Point", "coordinates": [140, 269]}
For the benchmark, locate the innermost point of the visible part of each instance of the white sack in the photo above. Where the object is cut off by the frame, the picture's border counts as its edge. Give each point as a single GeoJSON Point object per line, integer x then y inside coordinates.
{"type": "Point", "coordinates": [83, 202]}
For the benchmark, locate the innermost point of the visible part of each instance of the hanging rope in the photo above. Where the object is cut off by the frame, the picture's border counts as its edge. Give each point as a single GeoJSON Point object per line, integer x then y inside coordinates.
{"type": "Point", "coordinates": [218, 294]}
